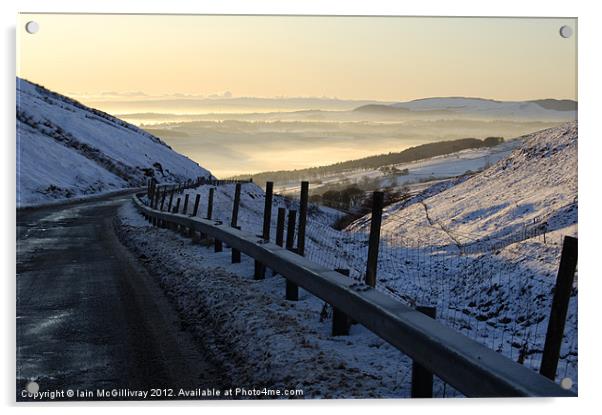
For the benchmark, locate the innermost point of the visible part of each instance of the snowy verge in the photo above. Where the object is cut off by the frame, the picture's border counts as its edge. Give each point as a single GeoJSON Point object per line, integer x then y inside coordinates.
{"type": "Point", "coordinates": [78, 199]}
{"type": "Point", "coordinates": [262, 339]}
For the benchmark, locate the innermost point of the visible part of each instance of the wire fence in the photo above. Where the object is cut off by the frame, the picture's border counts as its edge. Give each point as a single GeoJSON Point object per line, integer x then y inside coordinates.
{"type": "Point", "coordinates": [495, 290]}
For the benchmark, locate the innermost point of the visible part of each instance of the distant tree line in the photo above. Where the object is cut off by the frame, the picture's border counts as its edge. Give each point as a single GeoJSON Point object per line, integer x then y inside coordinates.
{"type": "Point", "coordinates": [420, 152]}
{"type": "Point", "coordinates": [345, 199]}
{"type": "Point", "coordinates": [356, 202]}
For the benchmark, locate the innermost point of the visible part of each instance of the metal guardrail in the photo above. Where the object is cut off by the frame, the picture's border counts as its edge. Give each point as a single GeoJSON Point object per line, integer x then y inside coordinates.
{"type": "Point", "coordinates": [471, 368]}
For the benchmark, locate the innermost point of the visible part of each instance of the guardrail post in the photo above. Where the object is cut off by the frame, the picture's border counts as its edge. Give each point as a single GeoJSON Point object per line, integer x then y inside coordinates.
{"type": "Point", "coordinates": [560, 305]}
{"type": "Point", "coordinates": [259, 271]}
{"type": "Point", "coordinates": [377, 213]}
{"type": "Point", "coordinates": [302, 218]}
{"type": "Point", "coordinates": [292, 290]}
{"type": "Point", "coordinates": [422, 379]}
{"type": "Point", "coordinates": [267, 221]}
{"type": "Point", "coordinates": [340, 321]}
{"type": "Point", "coordinates": [235, 256]}
{"type": "Point", "coordinates": [217, 245]}
{"type": "Point", "coordinates": [234, 222]}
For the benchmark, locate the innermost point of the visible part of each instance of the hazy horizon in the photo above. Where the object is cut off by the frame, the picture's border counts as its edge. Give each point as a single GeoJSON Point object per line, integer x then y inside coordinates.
{"type": "Point", "coordinates": [361, 58]}
{"type": "Point", "coordinates": [241, 105]}
{"type": "Point", "coordinates": [139, 102]}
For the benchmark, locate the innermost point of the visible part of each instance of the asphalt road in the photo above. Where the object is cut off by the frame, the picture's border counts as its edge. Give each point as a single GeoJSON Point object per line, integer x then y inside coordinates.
{"type": "Point", "coordinates": [88, 315]}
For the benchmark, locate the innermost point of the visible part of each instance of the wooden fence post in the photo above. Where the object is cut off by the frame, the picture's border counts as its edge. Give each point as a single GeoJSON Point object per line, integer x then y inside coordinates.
{"type": "Point", "coordinates": [280, 226]}
{"type": "Point", "coordinates": [185, 208]}
{"type": "Point", "coordinates": [210, 203]}
{"type": "Point", "coordinates": [151, 202]}
{"type": "Point", "coordinates": [267, 210]}
{"type": "Point", "coordinates": [302, 218]}
{"type": "Point", "coordinates": [560, 305]}
{"type": "Point", "coordinates": [195, 208]}
{"type": "Point", "coordinates": [292, 290]}
{"type": "Point", "coordinates": [234, 222]}
{"type": "Point", "coordinates": [217, 245]}
{"type": "Point", "coordinates": [280, 222]}
{"type": "Point", "coordinates": [235, 206]}
{"type": "Point", "coordinates": [377, 213]}
{"type": "Point", "coordinates": [170, 200]}
{"type": "Point", "coordinates": [157, 194]}
{"type": "Point", "coordinates": [164, 194]}
{"type": "Point", "coordinates": [176, 209]}
{"type": "Point", "coordinates": [267, 221]}
{"type": "Point", "coordinates": [422, 379]}
{"type": "Point", "coordinates": [340, 320]}
{"type": "Point", "coordinates": [152, 190]}
{"type": "Point", "coordinates": [157, 198]}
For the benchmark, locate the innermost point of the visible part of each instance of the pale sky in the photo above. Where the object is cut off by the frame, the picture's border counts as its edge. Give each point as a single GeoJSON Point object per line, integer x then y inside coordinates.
{"type": "Point", "coordinates": [380, 58]}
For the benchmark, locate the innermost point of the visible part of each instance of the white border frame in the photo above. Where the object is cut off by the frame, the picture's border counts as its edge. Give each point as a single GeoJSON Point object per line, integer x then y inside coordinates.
{"type": "Point", "coordinates": [590, 151]}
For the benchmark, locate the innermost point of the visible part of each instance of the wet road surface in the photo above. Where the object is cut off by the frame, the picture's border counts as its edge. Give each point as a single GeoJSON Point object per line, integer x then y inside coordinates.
{"type": "Point", "coordinates": [88, 315]}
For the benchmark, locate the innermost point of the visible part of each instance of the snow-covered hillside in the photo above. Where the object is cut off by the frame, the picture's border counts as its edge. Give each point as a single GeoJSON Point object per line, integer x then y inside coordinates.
{"type": "Point", "coordinates": [65, 149]}
{"type": "Point", "coordinates": [536, 183]}
{"type": "Point", "coordinates": [539, 109]}
{"type": "Point", "coordinates": [485, 250]}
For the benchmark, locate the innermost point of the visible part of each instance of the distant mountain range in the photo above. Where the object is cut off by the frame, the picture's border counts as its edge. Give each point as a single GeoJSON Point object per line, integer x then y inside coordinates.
{"type": "Point", "coordinates": [483, 108]}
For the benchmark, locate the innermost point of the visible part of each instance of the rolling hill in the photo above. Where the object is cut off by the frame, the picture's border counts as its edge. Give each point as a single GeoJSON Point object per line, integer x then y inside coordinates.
{"type": "Point", "coordinates": [538, 180]}
{"type": "Point", "coordinates": [453, 107]}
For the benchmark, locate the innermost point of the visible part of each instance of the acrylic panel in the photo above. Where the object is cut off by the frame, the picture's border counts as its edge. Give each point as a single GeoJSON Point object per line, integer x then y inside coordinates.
{"type": "Point", "coordinates": [295, 207]}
